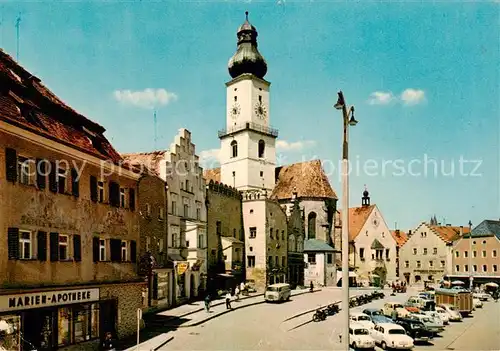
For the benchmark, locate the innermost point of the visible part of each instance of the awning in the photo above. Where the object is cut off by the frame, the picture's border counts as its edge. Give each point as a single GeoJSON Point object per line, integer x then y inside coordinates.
{"type": "Point", "coordinates": [175, 257]}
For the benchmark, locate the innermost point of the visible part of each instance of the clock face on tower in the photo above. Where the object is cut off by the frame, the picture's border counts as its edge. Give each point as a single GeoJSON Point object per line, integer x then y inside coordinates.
{"type": "Point", "coordinates": [235, 110]}
{"type": "Point", "coordinates": [260, 110]}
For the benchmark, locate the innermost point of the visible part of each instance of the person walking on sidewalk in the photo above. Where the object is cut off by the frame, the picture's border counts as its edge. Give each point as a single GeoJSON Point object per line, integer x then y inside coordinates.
{"type": "Point", "coordinates": [228, 300]}
{"type": "Point", "coordinates": [207, 303]}
{"type": "Point", "coordinates": [311, 287]}
{"type": "Point", "coordinates": [237, 293]}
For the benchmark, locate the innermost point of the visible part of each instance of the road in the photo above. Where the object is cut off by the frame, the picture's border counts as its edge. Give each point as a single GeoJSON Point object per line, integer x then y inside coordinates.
{"type": "Point", "coordinates": [265, 327]}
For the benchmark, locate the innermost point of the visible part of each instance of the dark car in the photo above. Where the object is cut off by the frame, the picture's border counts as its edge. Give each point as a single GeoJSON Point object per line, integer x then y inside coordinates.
{"type": "Point", "coordinates": [377, 316]}
{"type": "Point", "coordinates": [415, 329]}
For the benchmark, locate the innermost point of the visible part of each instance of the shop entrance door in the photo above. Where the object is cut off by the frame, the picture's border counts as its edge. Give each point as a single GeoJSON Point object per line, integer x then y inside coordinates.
{"type": "Point", "coordinates": [39, 326]}
{"type": "Point", "coordinates": [107, 318]}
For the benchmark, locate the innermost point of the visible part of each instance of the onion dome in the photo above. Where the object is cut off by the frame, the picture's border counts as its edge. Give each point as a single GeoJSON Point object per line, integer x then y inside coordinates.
{"type": "Point", "coordinates": [365, 193]}
{"type": "Point", "coordinates": [247, 58]}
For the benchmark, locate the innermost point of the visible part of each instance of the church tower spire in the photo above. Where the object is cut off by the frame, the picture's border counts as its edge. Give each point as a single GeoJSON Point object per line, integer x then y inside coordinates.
{"type": "Point", "coordinates": [365, 200]}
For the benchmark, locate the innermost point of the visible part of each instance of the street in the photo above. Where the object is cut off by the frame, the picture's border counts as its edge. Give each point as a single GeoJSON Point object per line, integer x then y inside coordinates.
{"type": "Point", "coordinates": [265, 327]}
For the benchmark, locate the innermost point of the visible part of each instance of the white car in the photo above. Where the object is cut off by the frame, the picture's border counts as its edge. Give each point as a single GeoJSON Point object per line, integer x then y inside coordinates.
{"type": "Point", "coordinates": [482, 296]}
{"type": "Point", "coordinates": [437, 317]}
{"type": "Point", "coordinates": [359, 337]}
{"type": "Point", "coordinates": [390, 335]}
{"type": "Point", "coordinates": [445, 317]}
{"type": "Point", "coordinates": [477, 303]}
{"type": "Point", "coordinates": [361, 318]}
{"type": "Point", "coordinates": [452, 312]}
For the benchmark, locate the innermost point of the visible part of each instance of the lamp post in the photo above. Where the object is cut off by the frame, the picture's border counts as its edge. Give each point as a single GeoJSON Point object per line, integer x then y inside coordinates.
{"type": "Point", "coordinates": [470, 256]}
{"type": "Point", "coordinates": [346, 112]}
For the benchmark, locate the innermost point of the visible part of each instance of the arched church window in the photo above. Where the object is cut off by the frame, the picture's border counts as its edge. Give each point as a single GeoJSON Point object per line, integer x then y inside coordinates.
{"type": "Point", "coordinates": [234, 148]}
{"type": "Point", "coordinates": [262, 148]}
{"type": "Point", "coordinates": [311, 225]}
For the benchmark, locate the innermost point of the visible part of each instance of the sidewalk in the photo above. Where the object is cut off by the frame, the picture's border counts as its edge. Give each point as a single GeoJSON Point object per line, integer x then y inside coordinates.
{"type": "Point", "coordinates": [192, 315]}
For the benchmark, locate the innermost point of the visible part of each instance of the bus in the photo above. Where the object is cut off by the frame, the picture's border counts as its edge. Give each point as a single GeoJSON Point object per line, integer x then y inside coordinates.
{"type": "Point", "coordinates": [461, 299]}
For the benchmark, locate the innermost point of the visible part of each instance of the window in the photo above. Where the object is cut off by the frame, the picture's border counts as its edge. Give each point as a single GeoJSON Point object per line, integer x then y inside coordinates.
{"type": "Point", "coordinates": [282, 235]}
{"type": "Point", "coordinates": [495, 268]}
{"type": "Point", "coordinates": [283, 261]}
{"type": "Point", "coordinates": [466, 268]}
{"type": "Point", "coordinates": [122, 197]}
{"type": "Point", "coordinates": [201, 242]}
{"type": "Point", "coordinates": [251, 261]}
{"type": "Point", "coordinates": [311, 225]}
{"type": "Point", "coordinates": [474, 268]}
{"type": "Point", "coordinates": [387, 254]}
{"type": "Point", "coordinates": [466, 254]}
{"type": "Point", "coordinates": [271, 233]}
{"type": "Point", "coordinates": [435, 251]}
{"type": "Point", "coordinates": [186, 210]}
{"type": "Point", "coordinates": [485, 268]}
{"type": "Point", "coordinates": [63, 247]}
{"type": "Point", "coordinates": [474, 253]}
{"type": "Point", "coordinates": [100, 192]}
{"type": "Point", "coordinates": [198, 213]}
{"type": "Point", "coordinates": [148, 243]}
{"type": "Point", "coordinates": [187, 185]}
{"type": "Point", "coordinates": [494, 253]}
{"type": "Point", "coordinates": [160, 245]}
{"type": "Point", "coordinates": [61, 180]}
{"type": "Point", "coordinates": [362, 253]}
{"type": "Point", "coordinates": [187, 243]}
{"type": "Point", "coordinates": [262, 148]}
{"type": "Point", "coordinates": [218, 227]}
{"type": "Point", "coordinates": [457, 268]}
{"type": "Point", "coordinates": [329, 258]}
{"type": "Point", "coordinates": [234, 148]}
{"type": "Point", "coordinates": [102, 249]}
{"type": "Point", "coordinates": [260, 98]}
{"type": "Point", "coordinates": [407, 264]}
{"type": "Point", "coordinates": [253, 232]}
{"type": "Point", "coordinates": [277, 234]}
{"type": "Point", "coordinates": [125, 257]}
{"type": "Point", "coordinates": [270, 261]}
{"type": "Point", "coordinates": [277, 261]}
{"type": "Point", "coordinates": [442, 264]}
{"type": "Point", "coordinates": [25, 245]}
{"type": "Point", "coordinates": [414, 251]}
{"type": "Point", "coordinates": [425, 251]}
{"type": "Point", "coordinates": [161, 213]}
{"type": "Point", "coordinates": [484, 253]}
{"type": "Point", "coordinates": [23, 169]}
{"type": "Point", "coordinates": [174, 208]}
{"type": "Point", "coordinates": [148, 210]}
{"type": "Point", "coordinates": [431, 264]}
{"type": "Point", "coordinates": [78, 324]}
{"type": "Point", "coordinates": [311, 258]}
{"type": "Point", "coordinates": [457, 254]}
{"type": "Point", "coordinates": [419, 265]}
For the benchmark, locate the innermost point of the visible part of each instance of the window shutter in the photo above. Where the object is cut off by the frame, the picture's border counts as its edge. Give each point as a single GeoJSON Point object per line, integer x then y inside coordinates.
{"type": "Point", "coordinates": [77, 248]}
{"type": "Point", "coordinates": [155, 286]}
{"type": "Point", "coordinates": [114, 194]}
{"type": "Point", "coordinates": [131, 200]}
{"type": "Point", "coordinates": [54, 247]}
{"type": "Point", "coordinates": [13, 243]}
{"type": "Point", "coordinates": [133, 251]}
{"type": "Point", "coordinates": [75, 183]}
{"type": "Point", "coordinates": [115, 246]}
{"type": "Point", "coordinates": [42, 245]}
{"type": "Point", "coordinates": [11, 164]}
{"type": "Point", "coordinates": [95, 248]}
{"type": "Point", "coordinates": [93, 188]}
{"type": "Point", "coordinates": [53, 177]}
{"type": "Point", "coordinates": [40, 173]}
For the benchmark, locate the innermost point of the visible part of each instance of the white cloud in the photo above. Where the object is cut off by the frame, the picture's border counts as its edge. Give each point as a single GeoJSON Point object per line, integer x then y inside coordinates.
{"type": "Point", "coordinates": [210, 158]}
{"type": "Point", "coordinates": [380, 98]}
{"type": "Point", "coordinates": [412, 96]}
{"type": "Point", "coordinates": [148, 98]}
{"type": "Point", "coordinates": [284, 145]}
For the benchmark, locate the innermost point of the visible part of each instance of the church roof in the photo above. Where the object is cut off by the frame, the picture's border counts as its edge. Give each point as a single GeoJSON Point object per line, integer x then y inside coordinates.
{"type": "Point", "coordinates": [307, 178]}
{"type": "Point", "coordinates": [400, 237]}
{"type": "Point", "coordinates": [357, 219]}
{"type": "Point", "coordinates": [487, 228]}
{"type": "Point", "coordinates": [318, 246]}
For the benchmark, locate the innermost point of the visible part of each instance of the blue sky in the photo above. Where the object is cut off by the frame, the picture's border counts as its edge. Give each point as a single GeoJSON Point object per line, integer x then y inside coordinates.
{"type": "Point", "coordinates": [423, 78]}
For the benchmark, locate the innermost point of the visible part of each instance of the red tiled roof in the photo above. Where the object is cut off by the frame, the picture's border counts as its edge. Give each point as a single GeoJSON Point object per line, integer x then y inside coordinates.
{"type": "Point", "coordinates": [357, 219]}
{"type": "Point", "coordinates": [149, 160]}
{"type": "Point", "coordinates": [212, 174]}
{"type": "Point", "coordinates": [448, 233]}
{"type": "Point", "coordinates": [26, 103]}
{"type": "Point", "coordinates": [400, 237]}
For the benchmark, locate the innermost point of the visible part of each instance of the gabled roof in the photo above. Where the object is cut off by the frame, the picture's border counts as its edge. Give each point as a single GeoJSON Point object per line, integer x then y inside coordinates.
{"type": "Point", "coordinates": [149, 160]}
{"type": "Point", "coordinates": [377, 245]}
{"type": "Point", "coordinates": [317, 246]}
{"type": "Point", "coordinates": [26, 103]}
{"type": "Point", "coordinates": [400, 237]}
{"type": "Point", "coordinates": [448, 233]}
{"type": "Point", "coordinates": [308, 179]}
{"type": "Point", "coordinates": [357, 219]}
{"type": "Point", "coordinates": [487, 227]}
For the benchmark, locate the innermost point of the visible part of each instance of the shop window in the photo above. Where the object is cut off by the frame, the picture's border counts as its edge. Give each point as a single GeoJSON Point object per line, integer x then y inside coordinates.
{"type": "Point", "coordinates": [63, 247]}
{"type": "Point", "coordinates": [78, 324]}
{"type": "Point", "coordinates": [102, 250]}
{"type": "Point", "coordinates": [64, 327]}
{"type": "Point", "coordinates": [124, 251]}
{"type": "Point", "coordinates": [25, 245]}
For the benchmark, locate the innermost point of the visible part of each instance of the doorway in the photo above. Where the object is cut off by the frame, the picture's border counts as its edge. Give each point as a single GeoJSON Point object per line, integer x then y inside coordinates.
{"type": "Point", "coordinates": [39, 326]}
{"type": "Point", "coordinates": [192, 290]}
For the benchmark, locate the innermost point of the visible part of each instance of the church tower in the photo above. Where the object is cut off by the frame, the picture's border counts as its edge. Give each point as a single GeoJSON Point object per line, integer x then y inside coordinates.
{"type": "Point", "coordinates": [248, 143]}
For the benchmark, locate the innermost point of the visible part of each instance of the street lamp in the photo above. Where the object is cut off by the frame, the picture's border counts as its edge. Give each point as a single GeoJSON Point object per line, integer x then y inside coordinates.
{"type": "Point", "coordinates": [470, 256]}
{"type": "Point", "coordinates": [349, 120]}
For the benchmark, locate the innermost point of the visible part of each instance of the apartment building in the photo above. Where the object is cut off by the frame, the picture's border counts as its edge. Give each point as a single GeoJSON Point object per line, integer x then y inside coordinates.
{"type": "Point", "coordinates": [68, 212]}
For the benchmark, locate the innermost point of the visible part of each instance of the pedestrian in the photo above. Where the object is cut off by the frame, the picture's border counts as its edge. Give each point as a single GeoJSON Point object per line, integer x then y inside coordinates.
{"type": "Point", "coordinates": [207, 303]}
{"type": "Point", "coordinates": [108, 343]}
{"type": "Point", "coordinates": [394, 314]}
{"type": "Point", "coordinates": [237, 293]}
{"type": "Point", "coordinates": [228, 300]}
{"type": "Point", "coordinates": [242, 287]}
{"type": "Point", "coordinates": [311, 286]}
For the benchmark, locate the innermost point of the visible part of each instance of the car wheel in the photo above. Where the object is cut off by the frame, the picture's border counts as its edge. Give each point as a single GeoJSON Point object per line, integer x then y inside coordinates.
{"type": "Point", "coordinates": [383, 345]}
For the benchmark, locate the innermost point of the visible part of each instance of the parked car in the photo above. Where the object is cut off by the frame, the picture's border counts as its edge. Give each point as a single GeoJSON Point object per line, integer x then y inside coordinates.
{"type": "Point", "coordinates": [452, 312]}
{"type": "Point", "coordinates": [427, 295]}
{"type": "Point", "coordinates": [477, 303]}
{"type": "Point", "coordinates": [415, 329]}
{"type": "Point", "coordinates": [481, 296]}
{"type": "Point", "coordinates": [362, 319]}
{"type": "Point", "coordinates": [359, 337]}
{"type": "Point", "coordinates": [376, 315]}
{"type": "Point", "coordinates": [390, 335]}
{"type": "Point", "coordinates": [278, 292]}
{"type": "Point", "coordinates": [445, 316]}
{"type": "Point", "coordinates": [434, 314]}
{"type": "Point", "coordinates": [391, 306]}
{"type": "Point", "coordinates": [430, 323]}
{"type": "Point", "coordinates": [421, 303]}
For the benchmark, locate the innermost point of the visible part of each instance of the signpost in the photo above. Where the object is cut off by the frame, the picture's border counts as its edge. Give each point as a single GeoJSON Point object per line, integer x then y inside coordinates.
{"type": "Point", "coordinates": [139, 317]}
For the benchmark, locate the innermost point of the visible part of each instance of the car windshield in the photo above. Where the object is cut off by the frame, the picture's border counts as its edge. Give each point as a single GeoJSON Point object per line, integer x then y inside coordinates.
{"type": "Point", "coordinates": [363, 318]}
{"type": "Point", "coordinates": [396, 305]}
{"type": "Point", "coordinates": [272, 288]}
{"type": "Point", "coordinates": [397, 331]}
{"type": "Point", "coordinates": [452, 308]}
{"type": "Point", "coordinates": [376, 313]}
{"type": "Point", "coordinates": [361, 332]}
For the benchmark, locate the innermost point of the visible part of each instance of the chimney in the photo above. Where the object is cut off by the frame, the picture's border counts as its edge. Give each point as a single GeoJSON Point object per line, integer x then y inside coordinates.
{"type": "Point", "coordinates": [461, 230]}
{"type": "Point", "coordinates": [448, 225]}
{"type": "Point", "coordinates": [409, 232]}
{"type": "Point", "coordinates": [397, 232]}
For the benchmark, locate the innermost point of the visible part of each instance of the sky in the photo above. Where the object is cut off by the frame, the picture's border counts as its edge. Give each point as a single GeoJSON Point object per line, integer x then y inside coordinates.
{"type": "Point", "coordinates": [423, 77]}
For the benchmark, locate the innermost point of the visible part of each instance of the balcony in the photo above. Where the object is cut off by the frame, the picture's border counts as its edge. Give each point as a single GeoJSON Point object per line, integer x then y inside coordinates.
{"type": "Point", "coordinates": [249, 126]}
